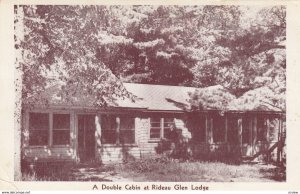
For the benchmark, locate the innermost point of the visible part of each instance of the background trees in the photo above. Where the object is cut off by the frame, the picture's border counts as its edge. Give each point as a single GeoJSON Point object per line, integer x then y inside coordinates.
{"type": "Point", "coordinates": [240, 48]}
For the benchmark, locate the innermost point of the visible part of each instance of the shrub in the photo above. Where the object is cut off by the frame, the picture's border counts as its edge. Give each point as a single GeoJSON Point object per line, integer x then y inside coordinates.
{"type": "Point", "coordinates": [176, 147]}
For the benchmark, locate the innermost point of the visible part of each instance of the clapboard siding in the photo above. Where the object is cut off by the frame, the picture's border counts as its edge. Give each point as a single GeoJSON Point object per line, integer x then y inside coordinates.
{"type": "Point", "coordinates": [142, 130]}
{"type": "Point", "coordinates": [117, 153]}
{"type": "Point", "coordinates": [42, 153]}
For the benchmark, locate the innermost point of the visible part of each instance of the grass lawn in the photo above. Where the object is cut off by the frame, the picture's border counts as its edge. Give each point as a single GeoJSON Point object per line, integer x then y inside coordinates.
{"type": "Point", "coordinates": [151, 170]}
{"type": "Point", "coordinates": [160, 169]}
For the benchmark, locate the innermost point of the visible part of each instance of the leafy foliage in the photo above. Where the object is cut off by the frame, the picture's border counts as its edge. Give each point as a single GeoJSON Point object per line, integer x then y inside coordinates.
{"type": "Point", "coordinates": [95, 48]}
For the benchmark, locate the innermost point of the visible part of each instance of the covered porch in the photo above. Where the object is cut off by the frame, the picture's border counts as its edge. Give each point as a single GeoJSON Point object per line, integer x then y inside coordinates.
{"type": "Point", "coordinates": [250, 135]}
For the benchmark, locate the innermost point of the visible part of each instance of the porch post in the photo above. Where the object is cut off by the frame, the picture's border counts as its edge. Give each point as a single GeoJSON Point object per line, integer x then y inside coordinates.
{"type": "Point", "coordinates": [226, 128]}
{"type": "Point", "coordinates": [75, 124]}
{"type": "Point", "coordinates": [73, 134]}
{"type": "Point", "coordinates": [206, 130]}
{"type": "Point", "coordinates": [26, 130]}
{"type": "Point", "coordinates": [226, 133]}
{"type": "Point", "coordinates": [268, 139]}
{"type": "Point", "coordinates": [98, 136]}
{"type": "Point", "coordinates": [50, 143]}
{"type": "Point", "coordinates": [268, 130]}
{"type": "Point", "coordinates": [118, 129]}
{"type": "Point", "coordinates": [279, 139]}
{"type": "Point", "coordinates": [250, 134]}
{"type": "Point", "coordinates": [240, 132]}
{"type": "Point", "coordinates": [254, 134]}
{"type": "Point", "coordinates": [209, 126]}
{"type": "Point", "coordinates": [98, 130]}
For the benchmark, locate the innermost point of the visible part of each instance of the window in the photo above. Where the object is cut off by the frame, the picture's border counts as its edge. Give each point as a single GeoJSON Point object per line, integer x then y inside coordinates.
{"type": "Point", "coordinates": [233, 128]}
{"type": "Point", "coordinates": [274, 129]}
{"type": "Point", "coordinates": [108, 127]}
{"type": "Point", "coordinates": [160, 127]}
{"type": "Point", "coordinates": [127, 130]}
{"type": "Point", "coordinates": [261, 129]}
{"type": "Point", "coordinates": [38, 128]}
{"type": "Point", "coordinates": [117, 129]}
{"type": "Point", "coordinates": [61, 129]}
{"type": "Point", "coordinates": [218, 129]}
{"type": "Point", "coordinates": [168, 122]}
{"type": "Point", "coordinates": [246, 128]}
{"type": "Point", "coordinates": [197, 124]}
{"type": "Point", "coordinates": [155, 128]}
{"type": "Point", "coordinates": [41, 124]}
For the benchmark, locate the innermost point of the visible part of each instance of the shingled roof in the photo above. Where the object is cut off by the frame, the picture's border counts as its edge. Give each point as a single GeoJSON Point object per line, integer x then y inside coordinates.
{"type": "Point", "coordinates": [158, 98]}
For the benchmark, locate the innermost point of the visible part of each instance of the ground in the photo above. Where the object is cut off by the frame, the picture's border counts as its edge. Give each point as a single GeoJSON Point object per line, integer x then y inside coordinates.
{"type": "Point", "coordinates": [159, 169]}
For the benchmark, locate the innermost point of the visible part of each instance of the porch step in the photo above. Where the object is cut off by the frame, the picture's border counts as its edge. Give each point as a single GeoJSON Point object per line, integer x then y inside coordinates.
{"type": "Point", "coordinates": [279, 144]}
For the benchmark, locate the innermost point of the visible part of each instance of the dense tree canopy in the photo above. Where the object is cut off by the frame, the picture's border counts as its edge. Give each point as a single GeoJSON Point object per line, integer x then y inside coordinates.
{"type": "Point", "coordinates": [99, 47]}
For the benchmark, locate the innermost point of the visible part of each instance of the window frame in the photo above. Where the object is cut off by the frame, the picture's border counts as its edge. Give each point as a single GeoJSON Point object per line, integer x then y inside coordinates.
{"type": "Point", "coordinates": [29, 129]}
{"type": "Point", "coordinates": [198, 129]}
{"type": "Point", "coordinates": [109, 118]}
{"type": "Point", "coordinates": [247, 130]}
{"type": "Point", "coordinates": [132, 119]}
{"type": "Point", "coordinates": [70, 124]}
{"type": "Point", "coordinates": [50, 131]}
{"type": "Point", "coordinates": [219, 130]}
{"type": "Point", "coordinates": [232, 131]}
{"type": "Point", "coordinates": [161, 127]}
{"type": "Point", "coordinates": [262, 131]}
{"type": "Point", "coordinates": [118, 121]}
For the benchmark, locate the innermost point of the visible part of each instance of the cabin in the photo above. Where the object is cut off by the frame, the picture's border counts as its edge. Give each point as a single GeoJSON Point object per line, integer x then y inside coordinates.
{"type": "Point", "coordinates": [80, 132]}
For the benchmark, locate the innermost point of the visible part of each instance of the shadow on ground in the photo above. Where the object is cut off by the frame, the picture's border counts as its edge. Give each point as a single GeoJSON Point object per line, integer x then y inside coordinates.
{"type": "Point", "coordinates": [71, 172]}
{"type": "Point", "coordinates": [276, 173]}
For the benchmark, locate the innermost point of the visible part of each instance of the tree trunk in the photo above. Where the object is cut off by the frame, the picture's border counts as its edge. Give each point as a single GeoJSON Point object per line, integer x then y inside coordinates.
{"type": "Point", "coordinates": [19, 33]}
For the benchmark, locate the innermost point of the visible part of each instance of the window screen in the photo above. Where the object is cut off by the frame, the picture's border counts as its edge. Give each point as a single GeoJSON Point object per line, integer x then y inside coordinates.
{"type": "Point", "coordinates": [38, 128]}
{"type": "Point", "coordinates": [127, 130]}
{"type": "Point", "coordinates": [108, 129]}
{"type": "Point", "coordinates": [261, 129]}
{"type": "Point", "coordinates": [218, 129]}
{"type": "Point", "coordinates": [232, 133]}
{"type": "Point", "coordinates": [155, 127]}
{"type": "Point", "coordinates": [61, 129]}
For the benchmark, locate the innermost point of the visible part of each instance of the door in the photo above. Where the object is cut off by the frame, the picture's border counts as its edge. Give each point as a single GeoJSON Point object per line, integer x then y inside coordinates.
{"type": "Point", "coordinates": [86, 138]}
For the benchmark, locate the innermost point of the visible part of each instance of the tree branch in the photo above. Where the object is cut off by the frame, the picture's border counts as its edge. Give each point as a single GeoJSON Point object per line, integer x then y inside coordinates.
{"type": "Point", "coordinates": [272, 105]}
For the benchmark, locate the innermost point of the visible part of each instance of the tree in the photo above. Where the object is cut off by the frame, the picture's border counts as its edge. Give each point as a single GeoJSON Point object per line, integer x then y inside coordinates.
{"type": "Point", "coordinates": [62, 43]}
{"type": "Point", "coordinates": [57, 44]}
{"type": "Point", "coordinates": [255, 58]}
{"type": "Point", "coordinates": [19, 37]}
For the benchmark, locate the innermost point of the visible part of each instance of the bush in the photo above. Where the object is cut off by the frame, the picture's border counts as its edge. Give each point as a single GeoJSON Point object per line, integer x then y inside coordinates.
{"type": "Point", "coordinates": [148, 164]}
{"type": "Point", "coordinates": [46, 171]}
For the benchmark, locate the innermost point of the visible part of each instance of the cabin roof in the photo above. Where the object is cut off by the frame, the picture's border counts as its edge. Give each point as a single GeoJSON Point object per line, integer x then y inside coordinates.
{"type": "Point", "coordinates": [158, 98]}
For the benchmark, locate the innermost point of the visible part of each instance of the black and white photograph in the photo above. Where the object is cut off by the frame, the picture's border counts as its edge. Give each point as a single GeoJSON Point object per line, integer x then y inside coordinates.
{"type": "Point", "coordinates": [150, 93]}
